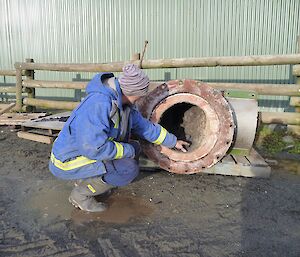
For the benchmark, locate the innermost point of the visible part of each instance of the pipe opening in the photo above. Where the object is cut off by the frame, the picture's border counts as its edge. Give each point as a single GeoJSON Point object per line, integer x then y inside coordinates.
{"type": "Point", "coordinates": [187, 122]}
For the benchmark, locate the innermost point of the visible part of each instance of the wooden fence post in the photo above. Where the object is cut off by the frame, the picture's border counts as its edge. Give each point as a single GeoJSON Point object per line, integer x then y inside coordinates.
{"type": "Point", "coordinates": [295, 100]}
{"type": "Point", "coordinates": [30, 91]}
{"type": "Point", "coordinates": [18, 87]}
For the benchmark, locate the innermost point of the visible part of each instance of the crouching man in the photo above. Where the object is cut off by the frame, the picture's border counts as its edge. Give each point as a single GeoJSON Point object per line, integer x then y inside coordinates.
{"type": "Point", "coordinates": [94, 146]}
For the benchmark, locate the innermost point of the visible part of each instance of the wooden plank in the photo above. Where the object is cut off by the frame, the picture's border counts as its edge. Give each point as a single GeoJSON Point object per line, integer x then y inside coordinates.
{"type": "Point", "coordinates": [242, 160]}
{"type": "Point", "coordinates": [49, 122]}
{"type": "Point", "coordinates": [261, 89]}
{"type": "Point", "coordinates": [49, 104]}
{"type": "Point", "coordinates": [228, 159]}
{"type": "Point", "coordinates": [290, 118]}
{"type": "Point", "coordinates": [295, 101]}
{"type": "Point", "coordinates": [55, 125]}
{"type": "Point", "coordinates": [35, 137]}
{"type": "Point", "coordinates": [44, 132]}
{"type": "Point", "coordinates": [55, 84]}
{"type": "Point", "coordinates": [7, 108]}
{"type": "Point", "coordinates": [8, 89]}
{"type": "Point", "coordinates": [255, 159]}
{"type": "Point", "coordinates": [50, 125]}
{"type": "Point", "coordinates": [254, 60]}
{"type": "Point", "coordinates": [11, 73]}
{"type": "Point", "coordinates": [18, 118]}
{"type": "Point", "coordinates": [239, 170]}
{"type": "Point", "coordinates": [3, 106]}
{"type": "Point", "coordinates": [296, 70]}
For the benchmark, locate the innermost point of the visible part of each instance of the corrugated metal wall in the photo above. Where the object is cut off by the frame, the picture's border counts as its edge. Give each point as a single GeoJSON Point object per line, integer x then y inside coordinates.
{"type": "Point", "coordinates": [73, 31]}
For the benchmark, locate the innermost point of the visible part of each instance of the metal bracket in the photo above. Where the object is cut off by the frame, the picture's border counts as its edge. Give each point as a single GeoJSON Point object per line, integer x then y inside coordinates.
{"type": "Point", "coordinates": [240, 94]}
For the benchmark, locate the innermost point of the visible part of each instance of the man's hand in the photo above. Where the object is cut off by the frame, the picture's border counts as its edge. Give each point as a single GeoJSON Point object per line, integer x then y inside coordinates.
{"type": "Point", "coordinates": [180, 145]}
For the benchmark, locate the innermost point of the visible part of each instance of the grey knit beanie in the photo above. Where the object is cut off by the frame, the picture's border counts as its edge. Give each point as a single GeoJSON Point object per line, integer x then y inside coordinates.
{"type": "Point", "coordinates": [133, 81]}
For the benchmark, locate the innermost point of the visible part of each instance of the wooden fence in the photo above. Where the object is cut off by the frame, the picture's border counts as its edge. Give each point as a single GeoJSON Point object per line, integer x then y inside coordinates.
{"type": "Point", "coordinates": [12, 89]}
{"type": "Point", "coordinates": [8, 89]}
{"type": "Point", "coordinates": [29, 84]}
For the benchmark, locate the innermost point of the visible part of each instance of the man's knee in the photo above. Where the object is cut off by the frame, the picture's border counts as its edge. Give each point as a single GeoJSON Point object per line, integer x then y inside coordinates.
{"type": "Point", "coordinates": [121, 172]}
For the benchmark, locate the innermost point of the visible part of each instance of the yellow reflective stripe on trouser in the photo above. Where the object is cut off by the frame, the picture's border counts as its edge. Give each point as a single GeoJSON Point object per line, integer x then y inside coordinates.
{"type": "Point", "coordinates": [73, 164]}
{"type": "Point", "coordinates": [161, 137]}
{"type": "Point", "coordinates": [120, 150]}
{"type": "Point", "coordinates": [90, 187]}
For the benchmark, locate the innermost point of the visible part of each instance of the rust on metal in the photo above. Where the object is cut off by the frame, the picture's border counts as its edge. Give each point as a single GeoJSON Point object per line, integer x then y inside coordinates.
{"type": "Point", "coordinates": [194, 112]}
{"type": "Point", "coordinates": [211, 124]}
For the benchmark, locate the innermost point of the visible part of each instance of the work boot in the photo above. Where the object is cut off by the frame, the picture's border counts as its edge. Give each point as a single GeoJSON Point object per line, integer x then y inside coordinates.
{"type": "Point", "coordinates": [82, 196]}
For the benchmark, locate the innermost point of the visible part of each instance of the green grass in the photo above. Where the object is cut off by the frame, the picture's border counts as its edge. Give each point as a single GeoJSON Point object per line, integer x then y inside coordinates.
{"type": "Point", "coordinates": [296, 148]}
{"type": "Point", "coordinates": [271, 142]}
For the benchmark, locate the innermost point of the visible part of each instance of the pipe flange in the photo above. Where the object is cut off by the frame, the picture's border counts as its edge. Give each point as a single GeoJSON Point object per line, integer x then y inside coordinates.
{"type": "Point", "coordinates": [219, 127]}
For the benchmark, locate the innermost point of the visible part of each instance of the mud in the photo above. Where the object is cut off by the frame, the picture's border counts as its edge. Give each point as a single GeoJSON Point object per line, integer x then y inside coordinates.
{"type": "Point", "coordinates": [123, 207]}
{"type": "Point", "coordinates": [159, 214]}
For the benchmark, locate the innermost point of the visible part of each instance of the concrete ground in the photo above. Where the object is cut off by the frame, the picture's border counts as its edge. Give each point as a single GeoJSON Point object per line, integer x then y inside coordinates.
{"type": "Point", "coordinates": [160, 214]}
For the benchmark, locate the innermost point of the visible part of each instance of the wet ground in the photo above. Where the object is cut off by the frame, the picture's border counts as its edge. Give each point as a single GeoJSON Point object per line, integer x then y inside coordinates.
{"type": "Point", "coordinates": [160, 214]}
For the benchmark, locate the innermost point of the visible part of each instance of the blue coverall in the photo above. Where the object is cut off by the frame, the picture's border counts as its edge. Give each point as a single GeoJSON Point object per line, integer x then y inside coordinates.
{"type": "Point", "coordinates": [89, 144]}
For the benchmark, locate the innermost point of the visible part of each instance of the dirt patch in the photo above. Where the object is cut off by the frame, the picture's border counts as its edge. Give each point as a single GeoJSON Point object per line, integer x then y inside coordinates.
{"type": "Point", "coordinates": [160, 214]}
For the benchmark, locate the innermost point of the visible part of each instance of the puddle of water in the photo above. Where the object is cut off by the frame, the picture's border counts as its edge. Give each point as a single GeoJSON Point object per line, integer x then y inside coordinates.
{"type": "Point", "coordinates": [289, 165]}
{"type": "Point", "coordinates": [122, 207]}
{"type": "Point", "coordinates": [52, 202]}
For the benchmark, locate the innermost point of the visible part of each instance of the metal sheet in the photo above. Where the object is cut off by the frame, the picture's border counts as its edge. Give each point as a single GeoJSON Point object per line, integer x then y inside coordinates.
{"type": "Point", "coordinates": [245, 112]}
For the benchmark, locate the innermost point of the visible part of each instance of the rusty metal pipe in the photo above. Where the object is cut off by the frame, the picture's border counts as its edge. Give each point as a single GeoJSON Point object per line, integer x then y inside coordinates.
{"type": "Point", "coordinates": [194, 112]}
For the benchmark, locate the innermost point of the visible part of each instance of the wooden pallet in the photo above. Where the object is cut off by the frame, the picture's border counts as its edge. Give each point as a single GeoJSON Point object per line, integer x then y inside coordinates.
{"type": "Point", "coordinates": [44, 129]}
{"type": "Point", "coordinates": [37, 136]}
{"type": "Point", "coordinates": [252, 165]}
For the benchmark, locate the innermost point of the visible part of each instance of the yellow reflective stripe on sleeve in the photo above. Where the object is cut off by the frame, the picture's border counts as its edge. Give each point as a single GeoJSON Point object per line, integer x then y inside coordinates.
{"type": "Point", "coordinates": [120, 150]}
{"type": "Point", "coordinates": [70, 165]}
{"type": "Point", "coordinates": [118, 120]}
{"type": "Point", "coordinates": [161, 137]}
